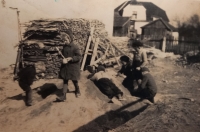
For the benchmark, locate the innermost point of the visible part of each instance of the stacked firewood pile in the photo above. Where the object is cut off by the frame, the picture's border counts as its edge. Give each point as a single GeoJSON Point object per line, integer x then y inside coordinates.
{"type": "Point", "coordinates": [43, 37]}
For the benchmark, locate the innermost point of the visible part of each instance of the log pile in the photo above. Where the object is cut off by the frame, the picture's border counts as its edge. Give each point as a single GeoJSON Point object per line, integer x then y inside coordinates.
{"type": "Point", "coordinates": [48, 33]}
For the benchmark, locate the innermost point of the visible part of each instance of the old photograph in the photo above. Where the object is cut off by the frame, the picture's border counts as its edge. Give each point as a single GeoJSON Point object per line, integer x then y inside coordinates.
{"type": "Point", "coordinates": [100, 66]}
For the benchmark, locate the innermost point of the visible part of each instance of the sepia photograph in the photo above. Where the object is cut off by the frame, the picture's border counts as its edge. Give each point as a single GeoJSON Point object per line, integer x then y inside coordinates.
{"type": "Point", "coordinates": [100, 66]}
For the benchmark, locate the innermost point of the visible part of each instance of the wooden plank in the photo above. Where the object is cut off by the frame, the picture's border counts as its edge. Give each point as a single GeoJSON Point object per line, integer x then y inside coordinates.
{"type": "Point", "coordinates": [94, 51]}
{"type": "Point", "coordinates": [103, 57]}
{"type": "Point", "coordinates": [86, 52]}
{"type": "Point", "coordinates": [120, 51]}
{"type": "Point", "coordinates": [18, 60]}
{"type": "Point", "coordinates": [114, 54]}
{"type": "Point", "coordinates": [87, 48]}
{"type": "Point", "coordinates": [65, 25]}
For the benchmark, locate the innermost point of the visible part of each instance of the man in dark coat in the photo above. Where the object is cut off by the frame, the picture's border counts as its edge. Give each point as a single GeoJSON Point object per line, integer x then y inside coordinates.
{"type": "Point", "coordinates": [70, 69]}
{"type": "Point", "coordinates": [148, 88]}
{"type": "Point", "coordinates": [26, 78]}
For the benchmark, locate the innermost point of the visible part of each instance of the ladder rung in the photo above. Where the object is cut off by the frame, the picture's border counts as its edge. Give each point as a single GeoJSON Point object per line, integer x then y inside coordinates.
{"type": "Point", "coordinates": [89, 53]}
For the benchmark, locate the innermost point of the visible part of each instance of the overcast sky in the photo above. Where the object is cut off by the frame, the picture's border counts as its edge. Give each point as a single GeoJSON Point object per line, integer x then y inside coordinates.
{"type": "Point", "coordinates": [56, 8]}
{"type": "Point", "coordinates": [94, 9]}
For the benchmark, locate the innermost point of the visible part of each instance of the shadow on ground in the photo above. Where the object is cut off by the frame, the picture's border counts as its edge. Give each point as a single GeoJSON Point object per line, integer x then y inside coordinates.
{"type": "Point", "coordinates": [112, 119]}
{"type": "Point", "coordinates": [43, 92]}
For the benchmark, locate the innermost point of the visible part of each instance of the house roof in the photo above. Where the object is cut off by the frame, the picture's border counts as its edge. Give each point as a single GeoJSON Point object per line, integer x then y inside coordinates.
{"type": "Point", "coordinates": [165, 23]}
{"type": "Point", "coordinates": [151, 10]}
{"type": "Point", "coordinates": [119, 21]}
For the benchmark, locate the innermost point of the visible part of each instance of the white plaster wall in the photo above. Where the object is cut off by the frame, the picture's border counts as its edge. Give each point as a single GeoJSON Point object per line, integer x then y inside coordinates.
{"type": "Point", "coordinates": [175, 35]}
{"type": "Point", "coordinates": [138, 26]}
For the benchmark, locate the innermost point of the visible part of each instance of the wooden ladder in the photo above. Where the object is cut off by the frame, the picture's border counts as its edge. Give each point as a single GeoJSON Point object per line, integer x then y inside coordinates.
{"type": "Point", "coordinates": [88, 51]}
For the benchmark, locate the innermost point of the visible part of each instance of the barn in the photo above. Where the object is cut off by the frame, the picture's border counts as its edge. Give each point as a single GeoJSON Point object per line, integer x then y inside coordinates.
{"type": "Point", "coordinates": [141, 12]}
{"type": "Point", "coordinates": [158, 29]}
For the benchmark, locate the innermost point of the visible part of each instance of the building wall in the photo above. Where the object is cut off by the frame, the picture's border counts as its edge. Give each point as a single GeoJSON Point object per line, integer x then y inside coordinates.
{"type": "Point", "coordinates": [138, 26]}
{"type": "Point", "coordinates": [141, 11]}
{"type": "Point", "coordinates": [120, 32]}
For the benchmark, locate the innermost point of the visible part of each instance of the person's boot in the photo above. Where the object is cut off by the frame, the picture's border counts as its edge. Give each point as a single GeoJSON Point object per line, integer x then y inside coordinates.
{"type": "Point", "coordinates": [77, 90]}
{"type": "Point", "coordinates": [63, 97]}
{"type": "Point", "coordinates": [29, 98]}
{"type": "Point", "coordinates": [151, 100]}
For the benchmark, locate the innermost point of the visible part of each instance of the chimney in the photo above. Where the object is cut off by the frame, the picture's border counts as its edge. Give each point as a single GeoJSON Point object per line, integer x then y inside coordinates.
{"type": "Point", "coordinates": [134, 1]}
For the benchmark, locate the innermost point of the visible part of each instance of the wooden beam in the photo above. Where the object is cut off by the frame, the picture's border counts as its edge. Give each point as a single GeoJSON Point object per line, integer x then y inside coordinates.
{"type": "Point", "coordinates": [86, 52]}
{"type": "Point", "coordinates": [94, 51]}
{"type": "Point", "coordinates": [114, 54]}
{"type": "Point", "coordinates": [87, 48]}
{"type": "Point", "coordinates": [121, 51]}
{"type": "Point", "coordinates": [103, 57]}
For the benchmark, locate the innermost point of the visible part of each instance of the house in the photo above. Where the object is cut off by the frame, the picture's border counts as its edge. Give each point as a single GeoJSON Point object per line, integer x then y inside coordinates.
{"type": "Point", "coordinates": [141, 13]}
{"type": "Point", "coordinates": [159, 28]}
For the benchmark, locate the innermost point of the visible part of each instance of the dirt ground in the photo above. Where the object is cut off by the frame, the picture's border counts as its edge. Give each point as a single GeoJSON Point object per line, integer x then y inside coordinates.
{"type": "Point", "coordinates": [177, 106]}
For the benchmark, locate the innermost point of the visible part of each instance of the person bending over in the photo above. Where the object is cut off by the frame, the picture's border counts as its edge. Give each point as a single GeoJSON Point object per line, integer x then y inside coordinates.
{"type": "Point", "coordinates": [148, 88]}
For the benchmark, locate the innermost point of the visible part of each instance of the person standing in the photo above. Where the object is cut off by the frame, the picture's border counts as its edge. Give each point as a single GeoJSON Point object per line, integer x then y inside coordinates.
{"type": "Point", "coordinates": [26, 78]}
{"type": "Point", "coordinates": [70, 69]}
{"type": "Point", "coordinates": [139, 60]}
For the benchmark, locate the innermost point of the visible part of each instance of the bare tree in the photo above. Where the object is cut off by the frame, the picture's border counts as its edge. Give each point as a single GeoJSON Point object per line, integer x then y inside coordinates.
{"type": "Point", "coordinates": [189, 27]}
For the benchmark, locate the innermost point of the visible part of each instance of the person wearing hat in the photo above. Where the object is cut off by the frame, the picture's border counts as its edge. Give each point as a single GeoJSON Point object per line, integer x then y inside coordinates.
{"type": "Point", "coordinates": [139, 60]}
{"type": "Point", "coordinates": [126, 70]}
{"type": "Point", "coordinates": [105, 83]}
{"type": "Point", "coordinates": [70, 69]}
{"type": "Point", "coordinates": [148, 88]}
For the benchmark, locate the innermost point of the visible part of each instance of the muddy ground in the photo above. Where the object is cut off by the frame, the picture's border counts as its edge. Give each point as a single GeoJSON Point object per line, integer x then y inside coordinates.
{"type": "Point", "coordinates": [176, 108]}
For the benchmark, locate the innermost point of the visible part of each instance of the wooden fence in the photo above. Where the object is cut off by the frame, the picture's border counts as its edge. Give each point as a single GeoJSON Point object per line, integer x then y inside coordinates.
{"type": "Point", "coordinates": [178, 46]}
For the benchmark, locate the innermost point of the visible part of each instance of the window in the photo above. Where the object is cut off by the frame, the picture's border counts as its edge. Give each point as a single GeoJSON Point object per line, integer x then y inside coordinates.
{"type": "Point", "coordinates": [134, 15]}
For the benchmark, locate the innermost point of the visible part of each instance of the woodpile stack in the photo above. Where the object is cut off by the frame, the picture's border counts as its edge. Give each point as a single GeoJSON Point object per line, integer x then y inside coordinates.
{"type": "Point", "coordinates": [42, 37]}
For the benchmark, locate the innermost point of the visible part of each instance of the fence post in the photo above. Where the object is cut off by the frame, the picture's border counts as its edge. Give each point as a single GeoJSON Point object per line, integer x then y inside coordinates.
{"type": "Point", "coordinates": [164, 44]}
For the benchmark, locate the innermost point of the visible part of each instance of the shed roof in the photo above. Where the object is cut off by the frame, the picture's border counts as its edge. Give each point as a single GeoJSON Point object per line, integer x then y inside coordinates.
{"type": "Point", "coordinates": [166, 24]}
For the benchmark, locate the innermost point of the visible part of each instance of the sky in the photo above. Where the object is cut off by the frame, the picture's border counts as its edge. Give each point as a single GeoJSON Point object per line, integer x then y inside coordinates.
{"type": "Point", "coordinates": [95, 9]}
{"type": "Point", "coordinates": [102, 10]}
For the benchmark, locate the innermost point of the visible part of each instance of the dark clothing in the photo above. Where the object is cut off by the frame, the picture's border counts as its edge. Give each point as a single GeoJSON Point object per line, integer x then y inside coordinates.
{"type": "Point", "coordinates": [107, 87]}
{"type": "Point", "coordinates": [28, 91]}
{"type": "Point", "coordinates": [26, 78]}
{"type": "Point", "coordinates": [75, 82]}
{"type": "Point", "coordinates": [27, 75]}
{"type": "Point", "coordinates": [148, 83]}
{"type": "Point", "coordinates": [71, 70]}
{"type": "Point", "coordinates": [148, 88]}
{"type": "Point", "coordinates": [137, 62]}
{"type": "Point", "coordinates": [127, 71]}
{"type": "Point", "coordinates": [137, 74]}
